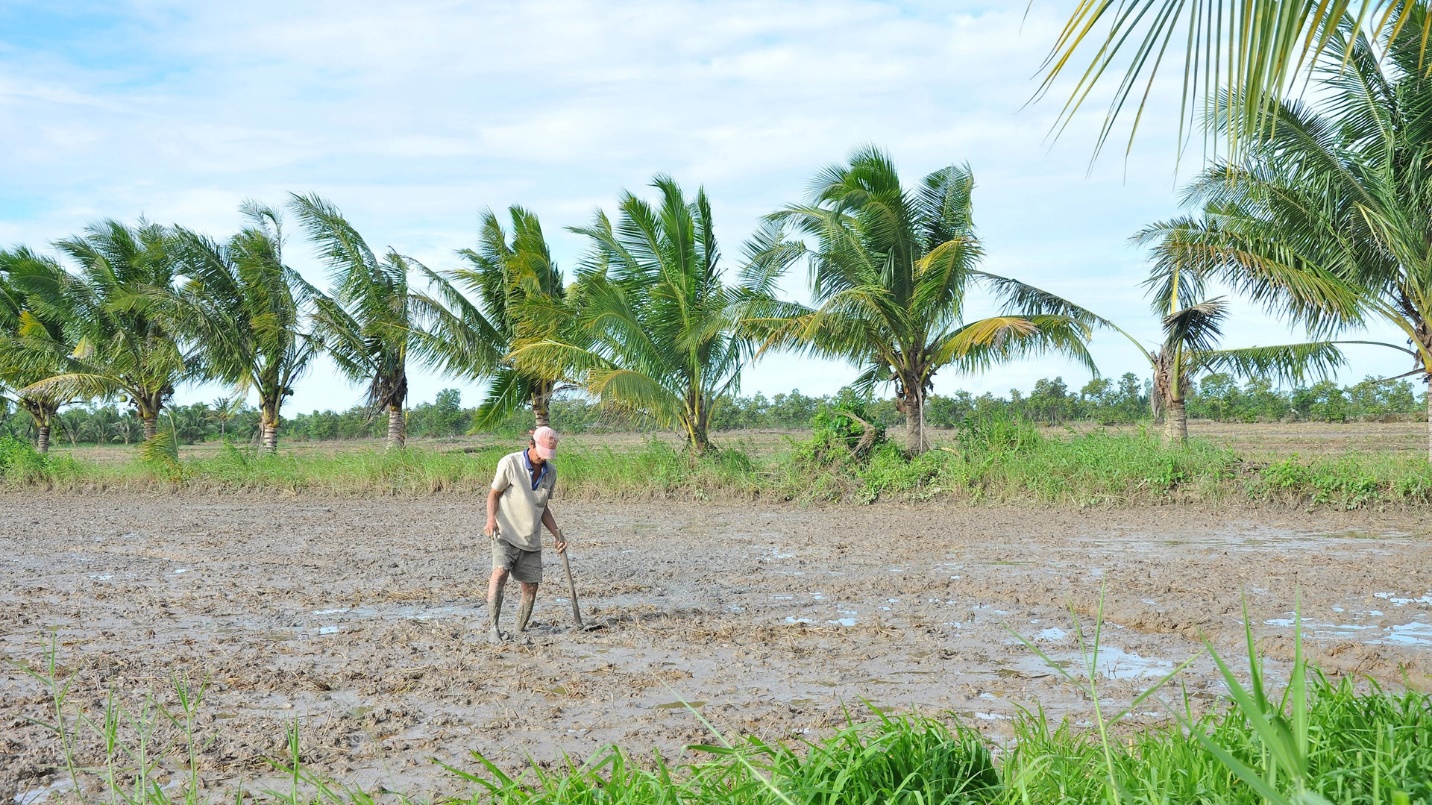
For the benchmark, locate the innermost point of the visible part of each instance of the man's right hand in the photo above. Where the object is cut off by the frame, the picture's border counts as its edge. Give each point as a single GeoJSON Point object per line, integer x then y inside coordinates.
{"type": "Point", "coordinates": [490, 529]}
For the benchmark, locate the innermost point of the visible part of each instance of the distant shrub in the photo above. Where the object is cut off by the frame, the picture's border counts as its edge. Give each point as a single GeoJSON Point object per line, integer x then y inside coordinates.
{"type": "Point", "coordinates": [20, 462]}
{"type": "Point", "coordinates": [998, 432]}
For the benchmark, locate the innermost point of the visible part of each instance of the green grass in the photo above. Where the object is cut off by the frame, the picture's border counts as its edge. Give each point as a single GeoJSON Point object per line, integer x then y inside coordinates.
{"type": "Point", "coordinates": [1102, 468]}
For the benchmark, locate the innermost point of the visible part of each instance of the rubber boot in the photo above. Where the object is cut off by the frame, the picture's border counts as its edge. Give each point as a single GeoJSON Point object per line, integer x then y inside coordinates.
{"type": "Point", "coordinates": [494, 613]}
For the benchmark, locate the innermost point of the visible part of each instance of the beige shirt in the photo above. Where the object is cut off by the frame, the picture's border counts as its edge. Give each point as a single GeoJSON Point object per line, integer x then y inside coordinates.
{"type": "Point", "coordinates": [520, 509]}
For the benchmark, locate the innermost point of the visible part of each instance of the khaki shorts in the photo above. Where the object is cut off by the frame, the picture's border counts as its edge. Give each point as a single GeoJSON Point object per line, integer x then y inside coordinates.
{"type": "Point", "coordinates": [525, 566]}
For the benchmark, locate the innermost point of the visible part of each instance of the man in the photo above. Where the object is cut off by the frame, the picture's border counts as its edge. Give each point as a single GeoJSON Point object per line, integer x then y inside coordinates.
{"type": "Point", "coordinates": [516, 511]}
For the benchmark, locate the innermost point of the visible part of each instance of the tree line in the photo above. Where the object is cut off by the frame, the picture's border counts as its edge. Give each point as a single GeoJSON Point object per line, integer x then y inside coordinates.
{"type": "Point", "coordinates": [1321, 219]}
{"type": "Point", "coordinates": [1105, 401]}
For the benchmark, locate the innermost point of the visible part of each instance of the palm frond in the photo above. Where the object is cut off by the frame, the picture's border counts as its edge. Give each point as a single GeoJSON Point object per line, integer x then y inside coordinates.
{"type": "Point", "coordinates": [1197, 327]}
{"type": "Point", "coordinates": [508, 392]}
{"type": "Point", "coordinates": [1288, 364]}
{"type": "Point", "coordinates": [1253, 50]}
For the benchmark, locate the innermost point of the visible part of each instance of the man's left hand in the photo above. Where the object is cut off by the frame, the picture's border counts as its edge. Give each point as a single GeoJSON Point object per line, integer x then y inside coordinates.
{"type": "Point", "coordinates": [561, 545]}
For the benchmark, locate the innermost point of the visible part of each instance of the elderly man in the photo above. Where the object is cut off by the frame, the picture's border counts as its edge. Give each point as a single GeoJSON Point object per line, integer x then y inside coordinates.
{"type": "Point", "coordinates": [516, 511]}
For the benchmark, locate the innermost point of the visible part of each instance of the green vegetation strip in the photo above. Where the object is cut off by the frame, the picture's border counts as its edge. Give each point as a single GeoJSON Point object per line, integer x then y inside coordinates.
{"type": "Point", "coordinates": [1003, 463]}
{"type": "Point", "coordinates": [1362, 748]}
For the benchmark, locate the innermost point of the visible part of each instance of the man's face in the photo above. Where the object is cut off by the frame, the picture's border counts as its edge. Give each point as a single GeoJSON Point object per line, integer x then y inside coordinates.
{"type": "Point", "coordinates": [532, 455]}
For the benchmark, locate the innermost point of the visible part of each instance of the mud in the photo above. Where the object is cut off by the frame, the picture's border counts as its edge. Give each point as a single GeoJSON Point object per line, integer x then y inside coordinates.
{"type": "Point", "coordinates": [363, 623]}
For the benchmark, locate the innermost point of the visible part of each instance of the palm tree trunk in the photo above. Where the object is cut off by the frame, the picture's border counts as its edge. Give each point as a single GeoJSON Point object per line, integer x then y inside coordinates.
{"type": "Point", "coordinates": [1429, 418]}
{"type": "Point", "coordinates": [151, 427]}
{"type": "Point", "coordinates": [914, 405]}
{"type": "Point", "coordinates": [42, 442]}
{"type": "Point", "coordinates": [1175, 422]}
{"type": "Point", "coordinates": [268, 427]}
{"type": "Point", "coordinates": [696, 439]}
{"type": "Point", "coordinates": [541, 412]}
{"type": "Point", "coordinates": [397, 428]}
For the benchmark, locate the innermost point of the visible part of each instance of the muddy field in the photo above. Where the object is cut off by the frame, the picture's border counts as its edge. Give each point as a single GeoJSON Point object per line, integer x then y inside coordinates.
{"type": "Point", "coordinates": [363, 622]}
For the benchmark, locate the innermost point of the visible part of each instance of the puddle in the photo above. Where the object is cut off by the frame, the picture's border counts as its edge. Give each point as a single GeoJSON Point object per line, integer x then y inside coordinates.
{"type": "Point", "coordinates": [1416, 633]}
{"type": "Point", "coordinates": [1051, 634]}
{"type": "Point", "coordinates": [181, 570]}
{"type": "Point", "coordinates": [1323, 631]}
{"type": "Point", "coordinates": [794, 619]}
{"type": "Point", "coordinates": [39, 795]}
{"type": "Point", "coordinates": [1398, 601]}
{"type": "Point", "coordinates": [843, 621]}
{"type": "Point", "coordinates": [680, 705]}
{"type": "Point", "coordinates": [410, 612]}
{"type": "Point", "coordinates": [1409, 634]}
{"type": "Point", "coordinates": [328, 630]}
{"type": "Point", "coordinates": [1364, 535]}
{"type": "Point", "coordinates": [1116, 663]}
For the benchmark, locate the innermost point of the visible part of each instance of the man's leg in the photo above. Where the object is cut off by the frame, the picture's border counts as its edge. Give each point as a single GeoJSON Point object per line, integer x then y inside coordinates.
{"type": "Point", "coordinates": [524, 613]}
{"type": "Point", "coordinates": [494, 602]}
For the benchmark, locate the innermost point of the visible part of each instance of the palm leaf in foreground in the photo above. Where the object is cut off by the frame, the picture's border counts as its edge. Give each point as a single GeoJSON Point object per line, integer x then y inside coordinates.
{"type": "Point", "coordinates": [1254, 51]}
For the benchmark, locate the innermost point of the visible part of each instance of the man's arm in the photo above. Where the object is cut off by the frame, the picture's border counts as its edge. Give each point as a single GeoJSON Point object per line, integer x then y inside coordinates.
{"type": "Point", "coordinates": [551, 523]}
{"type": "Point", "coordinates": [491, 528]}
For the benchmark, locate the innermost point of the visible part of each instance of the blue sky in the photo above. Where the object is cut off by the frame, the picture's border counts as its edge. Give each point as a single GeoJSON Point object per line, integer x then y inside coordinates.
{"type": "Point", "coordinates": [413, 117]}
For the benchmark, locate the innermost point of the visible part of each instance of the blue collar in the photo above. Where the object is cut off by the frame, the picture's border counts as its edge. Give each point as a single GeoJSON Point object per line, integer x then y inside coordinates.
{"type": "Point", "coordinates": [546, 465]}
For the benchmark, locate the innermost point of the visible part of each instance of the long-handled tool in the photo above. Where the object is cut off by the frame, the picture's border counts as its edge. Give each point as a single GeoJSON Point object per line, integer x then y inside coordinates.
{"type": "Point", "coordinates": [572, 590]}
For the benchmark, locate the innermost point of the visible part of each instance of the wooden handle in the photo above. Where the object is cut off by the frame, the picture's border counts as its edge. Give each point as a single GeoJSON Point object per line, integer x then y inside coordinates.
{"type": "Point", "coordinates": [572, 590]}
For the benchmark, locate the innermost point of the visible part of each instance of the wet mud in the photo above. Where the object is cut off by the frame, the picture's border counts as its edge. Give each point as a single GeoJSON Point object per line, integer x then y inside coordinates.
{"type": "Point", "coordinates": [363, 622]}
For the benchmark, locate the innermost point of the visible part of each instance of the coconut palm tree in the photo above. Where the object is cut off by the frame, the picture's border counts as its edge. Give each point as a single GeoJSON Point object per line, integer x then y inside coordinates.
{"type": "Point", "coordinates": [370, 322]}
{"type": "Point", "coordinates": [33, 340]}
{"type": "Point", "coordinates": [890, 276]}
{"type": "Point", "coordinates": [117, 308]}
{"type": "Point", "coordinates": [658, 325]}
{"type": "Point", "coordinates": [246, 308]}
{"type": "Point", "coordinates": [225, 410]}
{"type": "Point", "coordinates": [1327, 219]}
{"type": "Point", "coordinates": [1255, 51]}
{"type": "Point", "coordinates": [1192, 327]}
{"type": "Point", "coordinates": [521, 300]}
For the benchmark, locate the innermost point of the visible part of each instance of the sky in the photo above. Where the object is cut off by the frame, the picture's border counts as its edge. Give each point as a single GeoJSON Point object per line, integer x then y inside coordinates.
{"type": "Point", "coordinates": [414, 117]}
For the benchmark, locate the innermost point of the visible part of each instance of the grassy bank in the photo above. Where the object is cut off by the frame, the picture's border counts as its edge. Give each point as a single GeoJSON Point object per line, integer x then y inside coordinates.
{"type": "Point", "coordinates": [1101, 468]}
